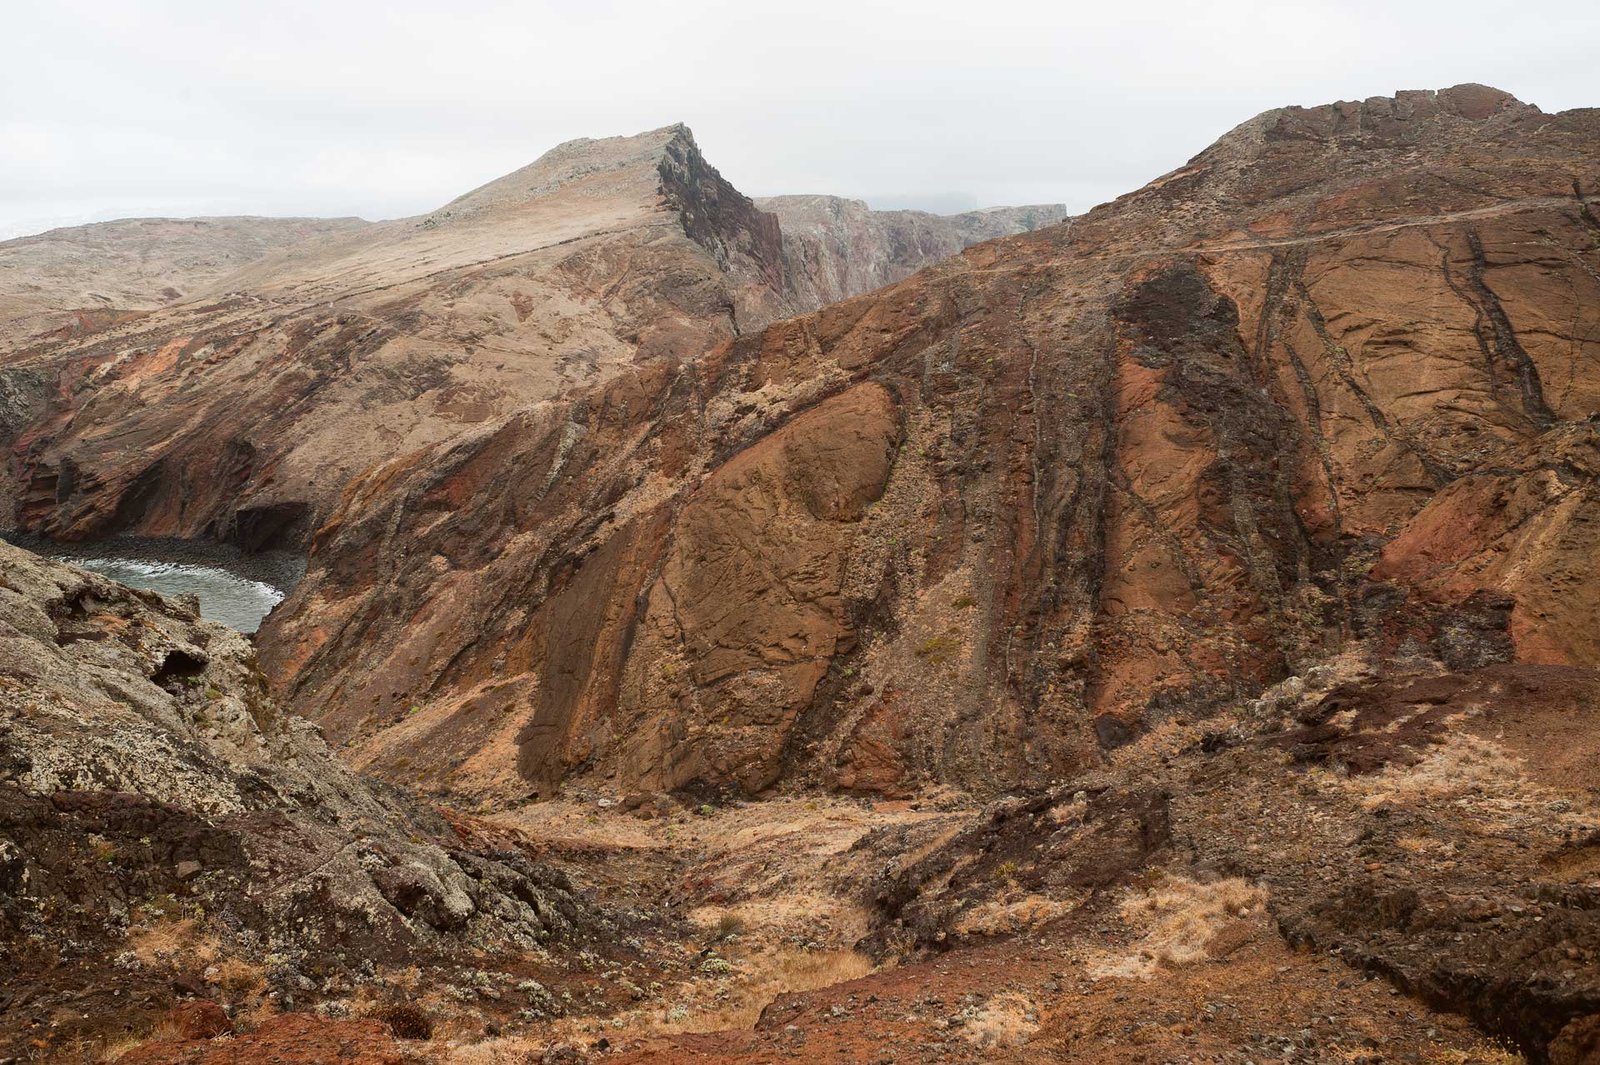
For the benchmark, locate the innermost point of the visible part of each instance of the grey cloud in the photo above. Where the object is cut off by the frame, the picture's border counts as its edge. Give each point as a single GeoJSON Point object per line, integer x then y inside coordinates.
{"type": "Point", "coordinates": [393, 107]}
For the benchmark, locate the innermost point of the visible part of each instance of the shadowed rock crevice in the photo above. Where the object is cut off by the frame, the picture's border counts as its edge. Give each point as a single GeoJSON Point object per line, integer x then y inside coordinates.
{"type": "Point", "coordinates": [1506, 346]}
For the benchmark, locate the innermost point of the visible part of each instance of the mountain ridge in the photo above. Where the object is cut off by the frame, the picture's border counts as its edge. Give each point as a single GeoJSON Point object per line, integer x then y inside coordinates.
{"type": "Point", "coordinates": [1233, 323]}
{"type": "Point", "coordinates": [239, 411]}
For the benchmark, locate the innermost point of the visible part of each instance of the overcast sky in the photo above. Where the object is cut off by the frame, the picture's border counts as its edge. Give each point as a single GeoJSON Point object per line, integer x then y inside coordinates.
{"type": "Point", "coordinates": [393, 107]}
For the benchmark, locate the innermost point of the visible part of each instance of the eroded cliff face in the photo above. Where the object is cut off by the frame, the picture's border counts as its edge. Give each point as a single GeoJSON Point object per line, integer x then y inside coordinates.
{"type": "Point", "coordinates": [838, 248]}
{"type": "Point", "coordinates": [1530, 528]}
{"type": "Point", "coordinates": [978, 527]}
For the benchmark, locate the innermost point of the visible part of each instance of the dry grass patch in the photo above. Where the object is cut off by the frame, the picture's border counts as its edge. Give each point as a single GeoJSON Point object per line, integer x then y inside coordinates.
{"type": "Point", "coordinates": [238, 977]}
{"type": "Point", "coordinates": [516, 1050]}
{"type": "Point", "coordinates": [1007, 1020]}
{"type": "Point", "coordinates": [1182, 921]}
{"type": "Point", "coordinates": [817, 919]}
{"type": "Point", "coordinates": [1005, 916]}
{"type": "Point", "coordinates": [164, 1030]}
{"type": "Point", "coordinates": [1462, 766]}
{"type": "Point", "coordinates": [167, 940]}
{"type": "Point", "coordinates": [758, 983]}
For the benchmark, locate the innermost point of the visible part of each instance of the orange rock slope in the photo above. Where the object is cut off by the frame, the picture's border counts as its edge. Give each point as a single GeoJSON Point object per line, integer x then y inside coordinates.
{"type": "Point", "coordinates": [1333, 379]}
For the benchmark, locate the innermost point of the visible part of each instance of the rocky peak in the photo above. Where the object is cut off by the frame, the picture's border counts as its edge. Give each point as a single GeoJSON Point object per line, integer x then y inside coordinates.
{"type": "Point", "coordinates": [603, 164]}
{"type": "Point", "coordinates": [1377, 151]}
{"type": "Point", "coordinates": [716, 215]}
{"type": "Point", "coordinates": [1407, 116]}
{"type": "Point", "coordinates": [662, 169]}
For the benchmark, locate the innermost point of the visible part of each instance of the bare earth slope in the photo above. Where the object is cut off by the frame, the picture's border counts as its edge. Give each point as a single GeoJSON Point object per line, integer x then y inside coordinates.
{"type": "Point", "coordinates": [83, 274]}
{"type": "Point", "coordinates": [1332, 377]}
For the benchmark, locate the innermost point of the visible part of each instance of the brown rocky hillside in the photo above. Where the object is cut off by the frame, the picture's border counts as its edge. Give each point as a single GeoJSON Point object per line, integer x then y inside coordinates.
{"type": "Point", "coordinates": [1169, 635]}
{"type": "Point", "coordinates": [280, 358]}
{"type": "Point", "coordinates": [1332, 380]}
{"type": "Point", "coordinates": [168, 833]}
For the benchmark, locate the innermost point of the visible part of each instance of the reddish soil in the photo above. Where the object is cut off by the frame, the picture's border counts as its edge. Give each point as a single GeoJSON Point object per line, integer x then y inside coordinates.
{"type": "Point", "coordinates": [292, 1039]}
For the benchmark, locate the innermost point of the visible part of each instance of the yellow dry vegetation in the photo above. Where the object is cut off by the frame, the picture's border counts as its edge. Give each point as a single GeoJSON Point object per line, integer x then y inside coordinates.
{"type": "Point", "coordinates": [1179, 920]}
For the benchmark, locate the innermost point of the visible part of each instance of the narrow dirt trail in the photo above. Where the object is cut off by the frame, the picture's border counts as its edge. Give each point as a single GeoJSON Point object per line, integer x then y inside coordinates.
{"type": "Point", "coordinates": [1508, 207]}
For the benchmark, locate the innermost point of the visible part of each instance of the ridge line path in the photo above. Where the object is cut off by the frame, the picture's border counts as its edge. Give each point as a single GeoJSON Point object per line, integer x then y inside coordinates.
{"type": "Point", "coordinates": [1505, 207]}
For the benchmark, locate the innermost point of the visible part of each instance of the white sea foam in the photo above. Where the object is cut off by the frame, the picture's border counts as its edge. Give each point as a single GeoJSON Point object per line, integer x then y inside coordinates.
{"type": "Point", "coordinates": [226, 598]}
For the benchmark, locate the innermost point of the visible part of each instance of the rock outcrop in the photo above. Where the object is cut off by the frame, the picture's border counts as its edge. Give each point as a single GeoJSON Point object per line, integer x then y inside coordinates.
{"type": "Point", "coordinates": [984, 525]}
{"type": "Point", "coordinates": [149, 786]}
{"type": "Point", "coordinates": [1426, 826]}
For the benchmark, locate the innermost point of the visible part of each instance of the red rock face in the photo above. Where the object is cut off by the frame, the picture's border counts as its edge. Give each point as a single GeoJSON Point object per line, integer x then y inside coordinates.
{"type": "Point", "coordinates": [978, 526]}
{"type": "Point", "coordinates": [1531, 530]}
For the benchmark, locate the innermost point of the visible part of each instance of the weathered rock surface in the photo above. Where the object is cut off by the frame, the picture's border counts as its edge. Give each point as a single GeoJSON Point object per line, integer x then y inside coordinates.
{"type": "Point", "coordinates": [981, 526]}
{"type": "Point", "coordinates": [148, 781]}
{"type": "Point", "coordinates": [1428, 827]}
{"type": "Point", "coordinates": [1529, 528]}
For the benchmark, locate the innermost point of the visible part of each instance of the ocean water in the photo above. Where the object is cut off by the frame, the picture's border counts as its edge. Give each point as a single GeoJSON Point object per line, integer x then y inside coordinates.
{"type": "Point", "coordinates": [234, 589]}
{"type": "Point", "coordinates": [226, 598]}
